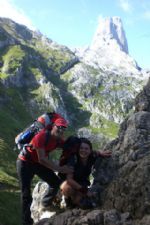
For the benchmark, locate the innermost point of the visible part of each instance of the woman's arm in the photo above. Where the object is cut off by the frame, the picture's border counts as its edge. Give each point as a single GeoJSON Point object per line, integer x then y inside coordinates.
{"type": "Point", "coordinates": [75, 185]}
{"type": "Point", "coordinates": [104, 154]}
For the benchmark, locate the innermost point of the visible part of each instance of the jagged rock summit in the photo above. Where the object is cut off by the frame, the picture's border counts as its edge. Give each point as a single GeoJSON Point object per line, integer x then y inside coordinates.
{"type": "Point", "coordinates": [110, 32]}
{"type": "Point", "coordinates": [109, 49]}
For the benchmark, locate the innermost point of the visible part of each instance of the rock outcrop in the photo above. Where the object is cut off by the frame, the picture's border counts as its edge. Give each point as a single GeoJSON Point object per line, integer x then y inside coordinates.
{"type": "Point", "coordinates": [96, 217]}
{"type": "Point", "coordinates": [131, 190]}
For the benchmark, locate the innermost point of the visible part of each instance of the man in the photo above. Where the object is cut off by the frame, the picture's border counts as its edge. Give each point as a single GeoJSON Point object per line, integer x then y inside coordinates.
{"type": "Point", "coordinates": [33, 159]}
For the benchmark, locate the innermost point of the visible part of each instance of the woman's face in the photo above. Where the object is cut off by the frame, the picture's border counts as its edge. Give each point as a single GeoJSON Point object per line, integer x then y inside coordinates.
{"type": "Point", "coordinates": [84, 150]}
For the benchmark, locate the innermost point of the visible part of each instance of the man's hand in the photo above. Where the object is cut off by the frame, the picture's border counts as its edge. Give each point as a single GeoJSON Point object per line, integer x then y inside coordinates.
{"type": "Point", "coordinates": [66, 169]}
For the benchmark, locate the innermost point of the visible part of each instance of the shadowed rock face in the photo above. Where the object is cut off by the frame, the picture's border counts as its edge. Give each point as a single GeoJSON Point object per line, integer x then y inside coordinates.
{"type": "Point", "coordinates": [130, 168]}
{"type": "Point", "coordinates": [130, 190]}
{"type": "Point", "coordinates": [122, 182]}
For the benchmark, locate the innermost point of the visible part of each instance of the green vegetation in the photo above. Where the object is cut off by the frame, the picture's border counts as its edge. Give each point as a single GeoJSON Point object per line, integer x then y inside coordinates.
{"type": "Point", "coordinates": [9, 207]}
{"type": "Point", "coordinates": [66, 76]}
{"type": "Point", "coordinates": [37, 73]}
{"type": "Point", "coordinates": [109, 129]}
{"type": "Point", "coordinates": [14, 116]}
{"type": "Point", "coordinates": [13, 58]}
{"type": "Point", "coordinates": [52, 96]}
{"type": "Point", "coordinates": [3, 76]}
{"type": "Point", "coordinates": [10, 197]}
{"type": "Point", "coordinates": [55, 58]}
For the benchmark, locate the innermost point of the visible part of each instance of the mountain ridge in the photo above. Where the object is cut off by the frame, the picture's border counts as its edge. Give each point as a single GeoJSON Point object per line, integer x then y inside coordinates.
{"type": "Point", "coordinates": [32, 60]}
{"type": "Point", "coordinates": [109, 49]}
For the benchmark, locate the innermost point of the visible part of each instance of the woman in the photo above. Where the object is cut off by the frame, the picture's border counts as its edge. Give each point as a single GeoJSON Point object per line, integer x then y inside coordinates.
{"type": "Point", "coordinates": [75, 187]}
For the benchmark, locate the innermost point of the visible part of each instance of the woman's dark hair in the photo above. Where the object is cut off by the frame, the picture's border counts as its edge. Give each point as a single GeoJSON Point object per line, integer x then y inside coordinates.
{"type": "Point", "coordinates": [86, 141]}
{"type": "Point", "coordinates": [71, 146]}
{"type": "Point", "coordinates": [71, 142]}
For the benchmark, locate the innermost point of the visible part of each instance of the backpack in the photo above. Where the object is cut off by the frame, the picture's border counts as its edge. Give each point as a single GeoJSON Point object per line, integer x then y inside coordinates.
{"type": "Point", "coordinates": [44, 121]}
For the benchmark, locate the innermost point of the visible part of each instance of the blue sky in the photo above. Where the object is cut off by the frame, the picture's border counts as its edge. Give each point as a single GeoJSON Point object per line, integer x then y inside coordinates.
{"type": "Point", "coordinates": [74, 22]}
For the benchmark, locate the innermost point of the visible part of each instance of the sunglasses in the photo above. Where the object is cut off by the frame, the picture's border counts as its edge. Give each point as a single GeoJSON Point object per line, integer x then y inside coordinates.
{"type": "Point", "coordinates": [61, 128]}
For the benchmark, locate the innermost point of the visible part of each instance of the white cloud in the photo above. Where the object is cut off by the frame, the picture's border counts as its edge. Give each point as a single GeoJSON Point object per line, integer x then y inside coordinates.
{"type": "Point", "coordinates": [9, 10]}
{"type": "Point", "coordinates": [125, 5]}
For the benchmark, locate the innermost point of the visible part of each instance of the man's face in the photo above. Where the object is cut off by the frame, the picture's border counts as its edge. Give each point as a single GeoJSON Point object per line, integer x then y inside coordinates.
{"type": "Point", "coordinates": [58, 131]}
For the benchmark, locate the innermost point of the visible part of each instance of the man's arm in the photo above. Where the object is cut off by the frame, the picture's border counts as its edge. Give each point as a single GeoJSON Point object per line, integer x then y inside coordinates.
{"type": "Point", "coordinates": [51, 164]}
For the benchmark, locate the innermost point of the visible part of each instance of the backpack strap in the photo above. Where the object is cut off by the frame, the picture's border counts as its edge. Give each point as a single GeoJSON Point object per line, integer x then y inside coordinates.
{"type": "Point", "coordinates": [48, 135]}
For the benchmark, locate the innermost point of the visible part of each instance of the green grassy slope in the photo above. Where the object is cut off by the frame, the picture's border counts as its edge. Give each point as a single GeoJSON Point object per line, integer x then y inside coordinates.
{"type": "Point", "coordinates": [13, 116]}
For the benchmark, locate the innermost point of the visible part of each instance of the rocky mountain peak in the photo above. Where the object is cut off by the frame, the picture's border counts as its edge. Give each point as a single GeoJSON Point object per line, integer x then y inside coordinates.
{"type": "Point", "coordinates": [109, 49]}
{"type": "Point", "coordinates": [110, 32]}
